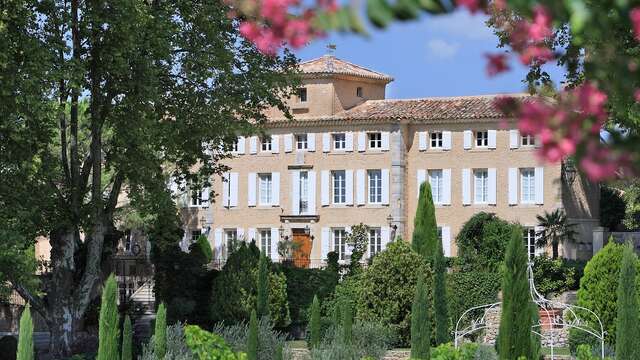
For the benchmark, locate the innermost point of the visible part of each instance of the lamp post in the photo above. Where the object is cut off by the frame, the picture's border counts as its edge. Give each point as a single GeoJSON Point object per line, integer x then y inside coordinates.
{"type": "Point", "coordinates": [392, 226]}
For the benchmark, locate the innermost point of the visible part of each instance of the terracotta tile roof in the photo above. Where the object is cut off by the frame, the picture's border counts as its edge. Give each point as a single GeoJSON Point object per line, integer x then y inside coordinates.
{"type": "Point", "coordinates": [330, 65]}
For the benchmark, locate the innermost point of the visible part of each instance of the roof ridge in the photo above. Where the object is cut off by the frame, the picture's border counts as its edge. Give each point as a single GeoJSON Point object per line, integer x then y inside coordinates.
{"type": "Point", "coordinates": [460, 97]}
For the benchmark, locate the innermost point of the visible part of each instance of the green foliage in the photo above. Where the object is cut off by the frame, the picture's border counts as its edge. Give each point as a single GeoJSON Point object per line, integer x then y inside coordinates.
{"type": "Point", "coordinates": [584, 353]}
{"type": "Point", "coordinates": [440, 305]}
{"type": "Point", "coordinates": [556, 229]}
{"type": "Point", "coordinates": [160, 333]}
{"type": "Point", "coordinates": [518, 311]}
{"type": "Point", "coordinates": [205, 248]}
{"type": "Point", "coordinates": [485, 352]}
{"type": "Point", "coordinates": [127, 338]}
{"type": "Point", "coordinates": [303, 285]}
{"type": "Point", "coordinates": [208, 346]}
{"type": "Point", "coordinates": [25, 336]}
{"type": "Point", "coordinates": [279, 354]}
{"type": "Point", "coordinates": [552, 276]}
{"type": "Point", "coordinates": [347, 321]}
{"type": "Point", "coordinates": [598, 288]}
{"type": "Point", "coordinates": [482, 242]}
{"type": "Point", "coordinates": [262, 298]}
{"type": "Point", "coordinates": [448, 352]}
{"type": "Point", "coordinates": [425, 233]}
{"type": "Point", "coordinates": [18, 263]}
{"type": "Point", "coordinates": [385, 291]}
{"type": "Point", "coordinates": [358, 239]}
{"type": "Point", "coordinates": [252, 339]}
{"type": "Point", "coordinates": [632, 199]}
{"type": "Point", "coordinates": [469, 289]}
{"type": "Point", "coordinates": [314, 324]}
{"type": "Point", "coordinates": [421, 321]}
{"type": "Point", "coordinates": [369, 340]}
{"type": "Point", "coordinates": [177, 348]}
{"type": "Point", "coordinates": [236, 336]}
{"type": "Point", "coordinates": [627, 322]}
{"type": "Point", "coordinates": [109, 321]}
{"type": "Point", "coordinates": [612, 207]}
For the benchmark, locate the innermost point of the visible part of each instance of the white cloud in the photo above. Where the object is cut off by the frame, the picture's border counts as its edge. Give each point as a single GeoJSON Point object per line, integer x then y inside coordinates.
{"type": "Point", "coordinates": [461, 24]}
{"type": "Point", "coordinates": [442, 49]}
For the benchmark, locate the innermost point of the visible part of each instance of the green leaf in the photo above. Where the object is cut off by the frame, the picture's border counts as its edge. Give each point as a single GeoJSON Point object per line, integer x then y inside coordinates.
{"type": "Point", "coordinates": [432, 6]}
{"type": "Point", "coordinates": [579, 14]}
{"type": "Point", "coordinates": [406, 9]}
{"type": "Point", "coordinates": [379, 12]}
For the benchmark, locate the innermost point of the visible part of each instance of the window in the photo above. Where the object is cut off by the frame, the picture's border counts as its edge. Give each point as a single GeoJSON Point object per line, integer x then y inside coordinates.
{"type": "Point", "coordinates": [339, 187]}
{"type": "Point", "coordinates": [375, 141]}
{"type": "Point", "coordinates": [304, 192]}
{"type": "Point", "coordinates": [128, 241]}
{"type": "Point", "coordinates": [375, 186]}
{"type": "Point", "coordinates": [528, 140]}
{"type": "Point", "coordinates": [302, 94]}
{"type": "Point", "coordinates": [481, 186]}
{"type": "Point", "coordinates": [527, 186]}
{"type": "Point", "coordinates": [340, 242]}
{"type": "Point", "coordinates": [439, 232]}
{"type": "Point", "coordinates": [234, 146]}
{"type": "Point", "coordinates": [435, 180]}
{"type": "Point", "coordinates": [436, 139]}
{"type": "Point", "coordinates": [265, 242]}
{"type": "Point", "coordinates": [195, 234]}
{"type": "Point", "coordinates": [339, 141]}
{"type": "Point", "coordinates": [265, 143]}
{"type": "Point", "coordinates": [375, 242]}
{"type": "Point", "coordinates": [265, 187]}
{"type": "Point", "coordinates": [359, 91]}
{"type": "Point", "coordinates": [196, 197]}
{"type": "Point", "coordinates": [482, 138]}
{"type": "Point", "coordinates": [301, 142]}
{"type": "Point", "coordinates": [230, 239]}
{"type": "Point", "coordinates": [530, 241]}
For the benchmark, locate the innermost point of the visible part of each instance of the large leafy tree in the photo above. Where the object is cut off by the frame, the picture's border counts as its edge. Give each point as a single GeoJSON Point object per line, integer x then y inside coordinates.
{"type": "Point", "coordinates": [102, 98]}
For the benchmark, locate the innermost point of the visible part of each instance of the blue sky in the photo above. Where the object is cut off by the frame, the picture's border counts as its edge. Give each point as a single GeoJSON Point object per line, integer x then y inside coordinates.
{"type": "Point", "coordinates": [434, 56]}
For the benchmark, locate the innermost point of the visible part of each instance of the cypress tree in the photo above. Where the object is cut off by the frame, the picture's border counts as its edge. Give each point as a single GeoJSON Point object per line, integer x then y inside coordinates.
{"type": "Point", "coordinates": [279, 353]}
{"type": "Point", "coordinates": [252, 340]}
{"type": "Point", "coordinates": [420, 322]}
{"type": "Point", "coordinates": [109, 322]}
{"type": "Point", "coordinates": [515, 337]}
{"type": "Point", "coordinates": [160, 334]}
{"type": "Point", "coordinates": [127, 335]}
{"type": "Point", "coordinates": [440, 308]}
{"type": "Point", "coordinates": [262, 301]}
{"type": "Point", "coordinates": [347, 322]}
{"type": "Point", "coordinates": [425, 232]}
{"type": "Point", "coordinates": [627, 323]}
{"type": "Point", "coordinates": [25, 337]}
{"type": "Point", "coordinates": [337, 316]}
{"type": "Point", "coordinates": [314, 323]}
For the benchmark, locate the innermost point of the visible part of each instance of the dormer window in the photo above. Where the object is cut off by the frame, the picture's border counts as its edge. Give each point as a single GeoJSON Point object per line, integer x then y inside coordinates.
{"type": "Point", "coordinates": [359, 92]}
{"type": "Point", "coordinates": [339, 141]}
{"type": "Point", "coordinates": [302, 94]}
{"type": "Point", "coordinates": [265, 143]}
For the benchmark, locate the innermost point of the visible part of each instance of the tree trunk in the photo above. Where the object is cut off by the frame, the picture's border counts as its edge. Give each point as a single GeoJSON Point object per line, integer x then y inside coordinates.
{"type": "Point", "coordinates": [554, 249]}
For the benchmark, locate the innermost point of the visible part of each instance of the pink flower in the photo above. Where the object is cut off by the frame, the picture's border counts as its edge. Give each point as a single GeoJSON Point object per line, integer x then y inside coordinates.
{"type": "Point", "coordinates": [275, 11]}
{"type": "Point", "coordinates": [536, 54]}
{"type": "Point", "coordinates": [591, 100]}
{"type": "Point", "coordinates": [540, 28]}
{"type": "Point", "coordinates": [472, 5]}
{"type": "Point", "coordinates": [636, 95]}
{"type": "Point", "coordinates": [497, 63]}
{"type": "Point", "coordinates": [298, 32]}
{"type": "Point", "coordinates": [635, 21]}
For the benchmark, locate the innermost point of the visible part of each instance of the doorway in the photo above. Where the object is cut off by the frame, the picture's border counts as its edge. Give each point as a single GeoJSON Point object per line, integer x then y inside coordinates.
{"type": "Point", "coordinates": [302, 251]}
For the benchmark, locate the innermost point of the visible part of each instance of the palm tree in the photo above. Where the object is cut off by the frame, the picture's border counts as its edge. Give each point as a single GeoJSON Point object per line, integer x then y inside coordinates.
{"type": "Point", "coordinates": [555, 229]}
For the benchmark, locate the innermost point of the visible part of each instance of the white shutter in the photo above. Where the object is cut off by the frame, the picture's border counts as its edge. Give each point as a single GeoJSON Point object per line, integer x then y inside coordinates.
{"type": "Point", "coordinates": [275, 238]}
{"type": "Point", "coordinates": [467, 139]}
{"type": "Point", "coordinates": [241, 142]}
{"type": "Point", "coordinates": [275, 189]}
{"type": "Point", "coordinates": [446, 140]}
{"type": "Point", "coordinates": [492, 186]}
{"type": "Point", "coordinates": [295, 192]}
{"type": "Point", "coordinates": [311, 205]}
{"type": "Point", "coordinates": [326, 142]}
{"type": "Point", "coordinates": [275, 144]}
{"type": "Point", "coordinates": [360, 186]}
{"type": "Point", "coordinates": [446, 186]}
{"type": "Point", "coordinates": [251, 189]}
{"type": "Point", "coordinates": [539, 250]}
{"type": "Point", "coordinates": [240, 234]}
{"type": "Point", "coordinates": [326, 239]}
{"type": "Point", "coordinates": [466, 186]}
{"type": "Point", "coordinates": [492, 139]}
{"type": "Point", "coordinates": [513, 186]}
{"type": "Point", "coordinates": [324, 187]}
{"type": "Point", "coordinates": [422, 141]}
{"type": "Point", "coordinates": [311, 142]}
{"type": "Point", "coordinates": [251, 235]}
{"type": "Point", "coordinates": [385, 140]}
{"type": "Point", "coordinates": [385, 186]}
{"type": "Point", "coordinates": [172, 186]}
{"type": "Point", "coordinates": [288, 142]}
{"type": "Point", "coordinates": [233, 186]}
{"type": "Point", "coordinates": [446, 241]}
{"type": "Point", "coordinates": [514, 139]}
{"type": "Point", "coordinates": [253, 145]}
{"type": "Point", "coordinates": [362, 141]}
{"type": "Point", "coordinates": [217, 244]}
{"type": "Point", "coordinates": [348, 136]}
{"type": "Point", "coordinates": [205, 196]}
{"type": "Point", "coordinates": [385, 235]}
{"type": "Point", "coordinates": [539, 174]}
{"type": "Point", "coordinates": [349, 186]}
{"type": "Point", "coordinates": [226, 184]}
{"type": "Point", "coordinates": [422, 177]}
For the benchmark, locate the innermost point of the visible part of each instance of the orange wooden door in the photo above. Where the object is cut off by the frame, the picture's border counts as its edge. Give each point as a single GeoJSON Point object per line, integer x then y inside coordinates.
{"type": "Point", "coordinates": [302, 254]}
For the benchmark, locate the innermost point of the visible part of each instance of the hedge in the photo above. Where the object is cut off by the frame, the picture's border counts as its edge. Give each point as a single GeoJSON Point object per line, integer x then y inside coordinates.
{"type": "Point", "coordinates": [469, 289]}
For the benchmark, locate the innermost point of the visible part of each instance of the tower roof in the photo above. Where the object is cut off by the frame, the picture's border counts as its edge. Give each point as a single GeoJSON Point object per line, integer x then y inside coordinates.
{"type": "Point", "coordinates": [329, 65]}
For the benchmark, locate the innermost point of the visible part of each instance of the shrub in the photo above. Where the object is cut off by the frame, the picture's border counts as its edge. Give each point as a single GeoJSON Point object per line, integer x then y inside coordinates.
{"type": "Point", "coordinates": [552, 276]}
{"type": "Point", "coordinates": [420, 322]}
{"type": "Point", "coordinates": [252, 338]}
{"type": "Point", "coordinates": [482, 242]}
{"type": "Point", "coordinates": [108, 331]}
{"type": "Point", "coordinates": [127, 336]}
{"type": "Point", "coordinates": [369, 340]}
{"type": "Point", "coordinates": [469, 289]}
{"type": "Point", "coordinates": [176, 346]}
{"type": "Point", "coordinates": [303, 285]}
{"type": "Point", "coordinates": [160, 333]}
{"type": "Point", "coordinates": [236, 336]}
{"type": "Point", "coordinates": [384, 293]}
{"type": "Point", "coordinates": [628, 325]}
{"type": "Point", "coordinates": [25, 337]}
{"type": "Point", "coordinates": [314, 324]}
{"type": "Point", "coordinates": [598, 288]}
{"type": "Point", "coordinates": [485, 352]}
{"type": "Point", "coordinates": [208, 346]}
{"type": "Point", "coordinates": [448, 352]}
{"type": "Point", "coordinates": [262, 297]}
